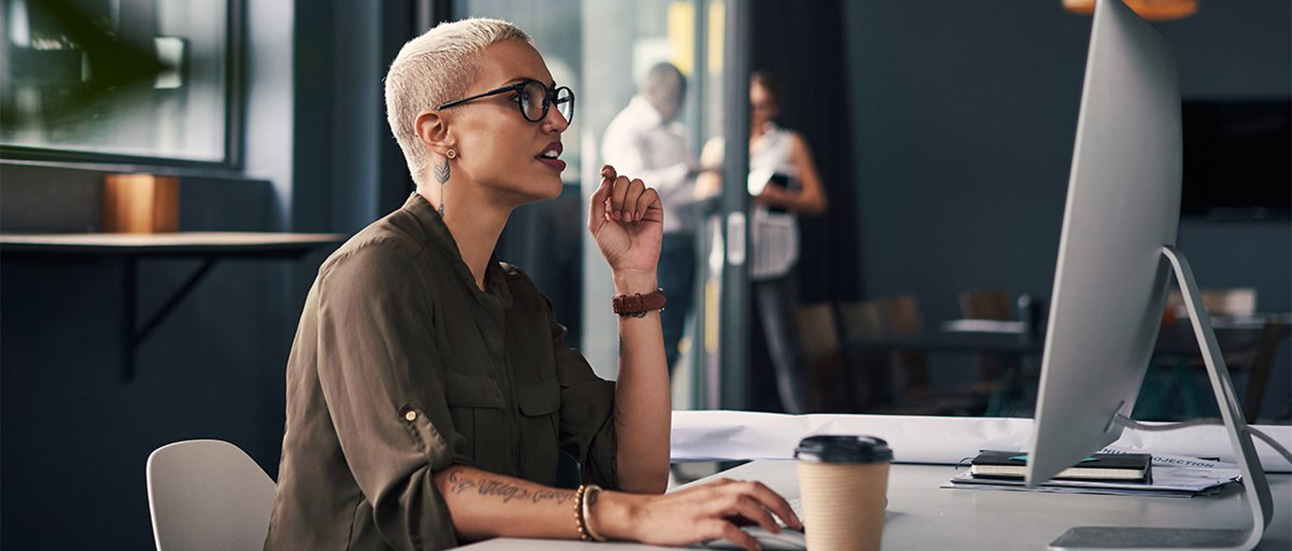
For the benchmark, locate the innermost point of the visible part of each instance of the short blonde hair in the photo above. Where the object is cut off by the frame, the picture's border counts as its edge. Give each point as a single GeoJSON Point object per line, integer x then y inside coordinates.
{"type": "Point", "coordinates": [435, 68]}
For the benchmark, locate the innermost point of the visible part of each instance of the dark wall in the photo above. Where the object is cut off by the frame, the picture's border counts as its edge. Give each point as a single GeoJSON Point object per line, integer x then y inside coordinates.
{"type": "Point", "coordinates": [76, 434]}
{"type": "Point", "coordinates": [318, 157]}
{"type": "Point", "coordinates": [964, 117]}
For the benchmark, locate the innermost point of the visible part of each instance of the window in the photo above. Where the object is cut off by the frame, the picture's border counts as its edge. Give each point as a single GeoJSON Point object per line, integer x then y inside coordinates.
{"type": "Point", "coordinates": [93, 79]}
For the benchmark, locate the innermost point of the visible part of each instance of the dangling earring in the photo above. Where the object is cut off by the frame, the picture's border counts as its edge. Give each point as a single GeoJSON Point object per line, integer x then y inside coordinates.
{"type": "Point", "coordinates": [442, 176]}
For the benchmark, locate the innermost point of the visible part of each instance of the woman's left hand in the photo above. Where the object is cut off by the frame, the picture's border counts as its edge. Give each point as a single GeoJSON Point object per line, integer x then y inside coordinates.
{"type": "Point", "coordinates": [773, 195]}
{"type": "Point", "coordinates": [626, 219]}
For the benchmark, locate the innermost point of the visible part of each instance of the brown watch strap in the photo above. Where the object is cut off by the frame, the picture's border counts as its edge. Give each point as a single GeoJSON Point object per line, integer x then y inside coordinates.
{"type": "Point", "coordinates": [638, 305]}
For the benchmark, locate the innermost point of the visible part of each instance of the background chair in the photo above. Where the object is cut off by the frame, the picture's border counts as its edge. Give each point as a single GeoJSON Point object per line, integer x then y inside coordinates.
{"type": "Point", "coordinates": [913, 391]}
{"type": "Point", "coordinates": [989, 305]}
{"type": "Point", "coordinates": [1267, 349]}
{"type": "Point", "coordinates": [1182, 388]}
{"type": "Point", "coordinates": [901, 318]}
{"type": "Point", "coordinates": [819, 346]}
{"type": "Point", "coordinates": [1001, 372]}
{"type": "Point", "coordinates": [871, 381]}
{"type": "Point", "coordinates": [208, 494]}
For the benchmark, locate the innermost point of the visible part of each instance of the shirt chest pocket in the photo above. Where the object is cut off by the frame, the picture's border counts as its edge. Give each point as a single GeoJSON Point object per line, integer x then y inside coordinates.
{"type": "Point", "coordinates": [539, 404]}
{"type": "Point", "coordinates": [538, 399]}
{"type": "Point", "coordinates": [476, 405]}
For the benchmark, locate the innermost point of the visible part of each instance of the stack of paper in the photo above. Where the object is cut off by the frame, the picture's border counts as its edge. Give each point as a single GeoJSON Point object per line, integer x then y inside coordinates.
{"type": "Point", "coordinates": [1173, 476]}
{"type": "Point", "coordinates": [747, 435]}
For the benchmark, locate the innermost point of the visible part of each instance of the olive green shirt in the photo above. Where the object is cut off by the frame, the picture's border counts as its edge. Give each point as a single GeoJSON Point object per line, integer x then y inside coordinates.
{"type": "Point", "coordinates": [401, 367]}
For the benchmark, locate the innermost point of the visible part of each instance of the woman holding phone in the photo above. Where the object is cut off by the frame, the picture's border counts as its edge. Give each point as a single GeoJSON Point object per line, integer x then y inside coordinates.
{"type": "Point", "coordinates": [784, 184]}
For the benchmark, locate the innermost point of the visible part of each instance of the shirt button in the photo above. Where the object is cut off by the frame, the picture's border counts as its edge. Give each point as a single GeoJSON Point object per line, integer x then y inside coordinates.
{"type": "Point", "coordinates": [410, 415]}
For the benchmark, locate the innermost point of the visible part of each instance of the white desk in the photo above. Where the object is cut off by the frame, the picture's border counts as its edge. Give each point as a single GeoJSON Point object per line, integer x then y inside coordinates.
{"type": "Point", "coordinates": [924, 517]}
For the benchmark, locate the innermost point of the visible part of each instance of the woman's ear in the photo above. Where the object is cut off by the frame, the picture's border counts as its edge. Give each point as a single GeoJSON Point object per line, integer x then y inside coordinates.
{"type": "Point", "coordinates": [433, 131]}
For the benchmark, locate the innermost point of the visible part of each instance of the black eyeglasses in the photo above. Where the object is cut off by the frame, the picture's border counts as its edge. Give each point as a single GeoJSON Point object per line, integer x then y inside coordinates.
{"type": "Point", "coordinates": [532, 97]}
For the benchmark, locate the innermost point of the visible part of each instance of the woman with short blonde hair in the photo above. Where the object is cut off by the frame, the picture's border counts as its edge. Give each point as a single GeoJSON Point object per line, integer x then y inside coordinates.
{"type": "Point", "coordinates": [429, 388]}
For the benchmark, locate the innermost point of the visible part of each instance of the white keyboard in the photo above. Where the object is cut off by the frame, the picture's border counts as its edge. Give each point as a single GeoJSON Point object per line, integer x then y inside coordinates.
{"type": "Point", "coordinates": [787, 540]}
{"type": "Point", "coordinates": [796, 505]}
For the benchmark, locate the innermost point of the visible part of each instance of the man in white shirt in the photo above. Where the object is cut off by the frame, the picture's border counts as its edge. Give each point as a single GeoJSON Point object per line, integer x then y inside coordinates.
{"type": "Point", "coordinates": [647, 141]}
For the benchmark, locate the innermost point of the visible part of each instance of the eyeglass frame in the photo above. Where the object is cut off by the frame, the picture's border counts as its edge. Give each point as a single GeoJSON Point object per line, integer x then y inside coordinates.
{"type": "Point", "coordinates": [518, 88]}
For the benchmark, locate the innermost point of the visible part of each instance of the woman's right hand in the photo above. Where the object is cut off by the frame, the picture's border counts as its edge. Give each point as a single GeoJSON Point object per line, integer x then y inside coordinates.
{"type": "Point", "coordinates": [707, 512]}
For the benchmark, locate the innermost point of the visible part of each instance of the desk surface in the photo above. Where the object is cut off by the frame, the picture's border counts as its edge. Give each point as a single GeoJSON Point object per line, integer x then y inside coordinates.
{"type": "Point", "coordinates": [959, 337]}
{"type": "Point", "coordinates": [1018, 328]}
{"type": "Point", "coordinates": [165, 243]}
{"type": "Point", "coordinates": [923, 516]}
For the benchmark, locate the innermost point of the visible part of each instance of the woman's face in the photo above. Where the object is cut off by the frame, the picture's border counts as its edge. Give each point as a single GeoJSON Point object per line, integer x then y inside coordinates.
{"type": "Point", "coordinates": [762, 107]}
{"type": "Point", "coordinates": [498, 149]}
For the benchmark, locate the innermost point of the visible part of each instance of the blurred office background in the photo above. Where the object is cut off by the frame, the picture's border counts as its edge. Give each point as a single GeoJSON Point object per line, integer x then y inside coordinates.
{"type": "Point", "coordinates": [943, 133]}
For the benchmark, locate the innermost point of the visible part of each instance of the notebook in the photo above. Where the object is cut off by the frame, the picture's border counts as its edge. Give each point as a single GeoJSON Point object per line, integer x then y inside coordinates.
{"type": "Point", "coordinates": [1100, 466]}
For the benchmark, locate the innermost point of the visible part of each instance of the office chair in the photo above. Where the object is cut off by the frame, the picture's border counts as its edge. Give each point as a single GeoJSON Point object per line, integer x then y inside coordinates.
{"type": "Point", "coordinates": [823, 361]}
{"type": "Point", "coordinates": [913, 390]}
{"type": "Point", "coordinates": [1262, 362]}
{"type": "Point", "coordinates": [208, 494]}
{"type": "Point", "coordinates": [1250, 351]}
{"type": "Point", "coordinates": [1000, 374]}
{"type": "Point", "coordinates": [869, 369]}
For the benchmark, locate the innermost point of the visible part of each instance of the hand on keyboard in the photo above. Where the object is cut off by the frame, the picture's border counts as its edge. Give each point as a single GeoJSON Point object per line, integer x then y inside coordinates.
{"type": "Point", "coordinates": [796, 505]}
{"type": "Point", "coordinates": [720, 510]}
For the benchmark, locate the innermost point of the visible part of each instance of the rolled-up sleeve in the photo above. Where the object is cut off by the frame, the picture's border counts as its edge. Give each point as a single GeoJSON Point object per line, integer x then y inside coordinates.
{"type": "Point", "coordinates": [587, 428]}
{"type": "Point", "coordinates": [377, 367]}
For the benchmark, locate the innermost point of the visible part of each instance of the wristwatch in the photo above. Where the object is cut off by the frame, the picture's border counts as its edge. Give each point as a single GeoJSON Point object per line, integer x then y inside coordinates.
{"type": "Point", "coordinates": [637, 305]}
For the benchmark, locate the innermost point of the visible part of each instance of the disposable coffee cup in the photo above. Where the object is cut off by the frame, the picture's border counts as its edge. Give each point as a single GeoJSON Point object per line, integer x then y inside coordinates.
{"type": "Point", "coordinates": [843, 482]}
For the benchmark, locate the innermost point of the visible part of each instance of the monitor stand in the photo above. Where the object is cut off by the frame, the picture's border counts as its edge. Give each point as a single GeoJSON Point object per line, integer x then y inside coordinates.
{"type": "Point", "coordinates": [1106, 538]}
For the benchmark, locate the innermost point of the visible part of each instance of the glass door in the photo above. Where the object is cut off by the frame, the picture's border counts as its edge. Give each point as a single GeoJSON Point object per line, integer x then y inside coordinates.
{"type": "Point", "coordinates": [605, 50]}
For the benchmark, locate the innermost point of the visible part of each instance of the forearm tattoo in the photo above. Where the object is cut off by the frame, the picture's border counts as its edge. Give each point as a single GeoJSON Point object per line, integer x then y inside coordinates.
{"type": "Point", "coordinates": [460, 483]}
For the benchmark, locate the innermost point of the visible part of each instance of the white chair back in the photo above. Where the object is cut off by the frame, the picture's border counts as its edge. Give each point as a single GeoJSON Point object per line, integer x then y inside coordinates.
{"type": "Point", "coordinates": [208, 495]}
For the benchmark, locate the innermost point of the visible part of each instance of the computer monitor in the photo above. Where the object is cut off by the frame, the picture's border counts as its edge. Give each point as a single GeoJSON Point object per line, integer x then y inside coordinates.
{"type": "Point", "coordinates": [1116, 258]}
{"type": "Point", "coordinates": [1110, 283]}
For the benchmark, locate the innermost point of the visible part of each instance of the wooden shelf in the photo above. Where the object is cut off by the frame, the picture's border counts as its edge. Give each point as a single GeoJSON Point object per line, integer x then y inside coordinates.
{"type": "Point", "coordinates": [168, 244]}
{"type": "Point", "coordinates": [130, 248]}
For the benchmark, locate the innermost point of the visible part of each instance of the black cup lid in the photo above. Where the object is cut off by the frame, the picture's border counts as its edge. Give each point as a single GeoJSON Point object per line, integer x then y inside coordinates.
{"type": "Point", "coordinates": [824, 448]}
